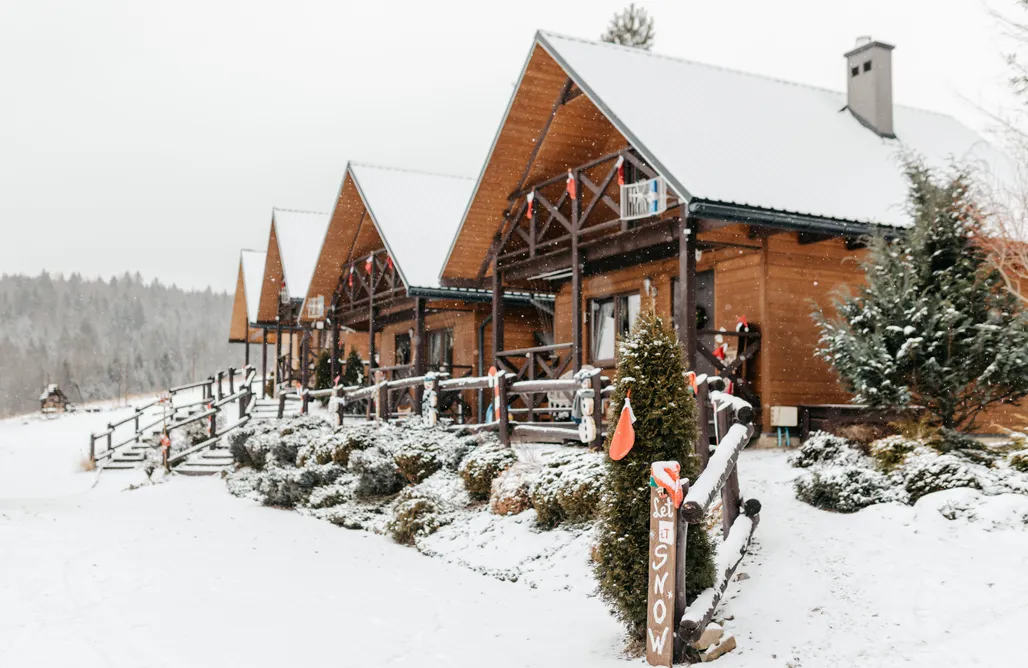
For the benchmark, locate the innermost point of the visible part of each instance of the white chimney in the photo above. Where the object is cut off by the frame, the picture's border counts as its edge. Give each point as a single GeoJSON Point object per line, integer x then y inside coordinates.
{"type": "Point", "coordinates": [869, 84]}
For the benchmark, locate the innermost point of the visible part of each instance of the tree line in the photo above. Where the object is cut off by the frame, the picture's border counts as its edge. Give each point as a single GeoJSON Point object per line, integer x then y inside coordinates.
{"type": "Point", "coordinates": [103, 339]}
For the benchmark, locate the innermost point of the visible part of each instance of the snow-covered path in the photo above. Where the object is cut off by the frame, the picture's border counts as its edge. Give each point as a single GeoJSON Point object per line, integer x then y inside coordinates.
{"type": "Point", "coordinates": [183, 574]}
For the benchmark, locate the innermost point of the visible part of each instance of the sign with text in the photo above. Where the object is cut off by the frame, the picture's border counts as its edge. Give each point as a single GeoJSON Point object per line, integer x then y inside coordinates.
{"type": "Point", "coordinates": [660, 607]}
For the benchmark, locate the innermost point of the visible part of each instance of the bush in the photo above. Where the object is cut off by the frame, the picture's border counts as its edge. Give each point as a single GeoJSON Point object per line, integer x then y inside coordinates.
{"type": "Point", "coordinates": [288, 488]}
{"type": "Point", "coordinates": [892, 451]}
{"type": "Point", "coordinates": [842, 489]}
{"type": "Point", "coordinates": [415, 517]}
{"type": "Point", "coordinates": [927, 472]}
{"type": "Point", "coordinates": [417, 460]}
{"type": "Point", "coordinates": [350, 439]}
{"type": "Point", "coordinates": [379, 475]}
{"type": "Point", "coordinates": [824, 448]}
{"type": "Point", "coordinates": [334, 494]}
{"type": "Point", "coordinates": [1019, 461]}
{"type": "Point", "coordinates": [568, 488]}
{"type": "Point", "coordinates": [863, 434]}
{"type": "Point", "coordinates": [512, 490]}
{"type": "Point", "coordinates": [482, 466]}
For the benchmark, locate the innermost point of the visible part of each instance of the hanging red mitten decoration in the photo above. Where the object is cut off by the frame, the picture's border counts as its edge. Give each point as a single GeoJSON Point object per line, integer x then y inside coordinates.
{"type": "Point", "coordinates": [530, 198]}
{"type": "Point", "coordinates": [572, 186]}
{"type": "Point", "coordinates": [621, 170]}
{"type": "Point", "coordinates": [624, 433]}
{"type": "Point", "coordinates": [369, 263]}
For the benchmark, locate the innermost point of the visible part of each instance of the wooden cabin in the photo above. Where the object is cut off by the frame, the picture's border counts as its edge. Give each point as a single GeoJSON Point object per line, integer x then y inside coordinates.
{"type": "Point", "coordinates": [243, 327]}
{"type": "Point", "coordinates": [378, 274]}
{"type": "Point", "coordinates": [53, 400]}
{"type": "Point", "coordinates": [621, 179]}
{"type": "Point", "coordinates": [294, 240]}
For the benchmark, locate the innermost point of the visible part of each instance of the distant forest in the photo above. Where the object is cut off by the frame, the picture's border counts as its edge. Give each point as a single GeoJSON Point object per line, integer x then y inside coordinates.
{"type": "Point", "coordinates": [102, 339]}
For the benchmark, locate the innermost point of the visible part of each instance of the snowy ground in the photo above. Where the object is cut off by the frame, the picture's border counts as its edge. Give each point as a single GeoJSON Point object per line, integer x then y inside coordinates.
{"type": "Point", "coordinates": [184, 574]}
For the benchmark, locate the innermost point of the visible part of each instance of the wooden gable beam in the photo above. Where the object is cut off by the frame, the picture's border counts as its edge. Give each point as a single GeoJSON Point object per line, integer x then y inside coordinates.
{"type": "Point", "coordinates": [542, 133]}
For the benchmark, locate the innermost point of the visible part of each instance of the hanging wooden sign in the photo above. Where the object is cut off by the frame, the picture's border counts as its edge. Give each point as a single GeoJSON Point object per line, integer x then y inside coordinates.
{"type": "Point", "coordinates": [660, 607]}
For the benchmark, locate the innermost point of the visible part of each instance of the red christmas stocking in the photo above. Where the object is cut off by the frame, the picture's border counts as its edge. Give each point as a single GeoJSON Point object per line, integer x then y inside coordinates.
{"type": "Point", "coordinates": [624, 433]}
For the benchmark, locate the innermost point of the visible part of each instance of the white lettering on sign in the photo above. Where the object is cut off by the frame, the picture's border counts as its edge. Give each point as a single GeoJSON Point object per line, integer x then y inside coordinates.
{"type": "Point", "coordinates": [661, 593]}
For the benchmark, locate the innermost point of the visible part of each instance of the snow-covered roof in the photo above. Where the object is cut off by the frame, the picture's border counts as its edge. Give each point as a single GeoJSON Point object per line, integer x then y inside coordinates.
{"type": "Point", "coordinates": [730, 137]}
{"type": "Point", "coordinates": [300, 235]}
{"type": "Point", "coordinates": [418, 238]}
{"type": "Point", "coordinates": [253, 277]}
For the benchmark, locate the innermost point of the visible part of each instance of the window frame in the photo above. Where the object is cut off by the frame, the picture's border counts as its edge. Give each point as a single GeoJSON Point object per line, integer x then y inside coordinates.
{"type": "Point", "coordinates": [620, 301]}
{"type": "Point", "coordinates": [397, 338]}
{"type": "Point", "coordinates": [430, 336]}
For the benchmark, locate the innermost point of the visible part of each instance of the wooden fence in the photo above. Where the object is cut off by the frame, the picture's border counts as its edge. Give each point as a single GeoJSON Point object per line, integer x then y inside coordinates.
{"type": "Point", "coordinates": [731, 419]}
{"type": "Point", "coordinates": [103, 445]}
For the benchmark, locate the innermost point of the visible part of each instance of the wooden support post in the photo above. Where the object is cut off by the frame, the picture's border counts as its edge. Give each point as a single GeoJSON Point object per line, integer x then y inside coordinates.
{"type": "Point", "coordinates": [340, 404]}
{"type": "Point", "coordinates": [231, 380]}
{"type": "Point", "coordinates": [221, 389]}
{"type": "Point", "coordinates": [382, 402]}
{"type": "Point", "coordinates": [214, 424]}
{"type": "Point", "coordinates": [576, 281]}
{"type": "Point", "coordinates": [335, 361]}
{"type": "Point", "coordinates": [136, 420]}
{"type": "Point", "coordinates": [501, 408]}
{"type": "Point", "coordinates": [306, 401]}
{"type": "Point", "coordinates": [480, 366]}
{"type": "Point", "coordinates": [371, 322]}
{"type": "Point", "coordinates": [597, 386]}
{"type": "Point", "coordinates": [530, 397]}
{"type": "Point", "coordinates": [685, 309]}
{"type": "Point", "coordinates": [244, 399]}
{"type": "Point", "coordinates": [110, 437]}
{"type": "Point", "coordinates": [92, 448]}
{"type": "Point", "coordinates": [264, 363]}
{"type": "Point", "coordinates": [703, 426]}
{"type": "Point", "coordinates": [419, 346]}
{"type": "Point", "coordinates": [246, 353]}
{"type": "Point", "coordinates": [497, 314]}
{"type": "Point", "coordinates": [278, 355]}
{"type": "Point", "coordinates": [281, 404]}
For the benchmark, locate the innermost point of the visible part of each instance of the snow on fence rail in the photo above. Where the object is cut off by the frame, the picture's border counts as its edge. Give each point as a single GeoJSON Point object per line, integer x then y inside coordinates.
{"type": "Point", "coordinates": [214, 399]}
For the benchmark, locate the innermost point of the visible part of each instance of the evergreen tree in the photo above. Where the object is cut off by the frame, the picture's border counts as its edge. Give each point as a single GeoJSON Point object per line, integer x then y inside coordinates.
{"type": "Point", "coordinates": [650, 365]}
{"type": "Point", "coordinates": [354, 369]}
{"type": "Point", "coordinates": [631, 27]}
{"type": "Point", "coordinates": [934, 325]}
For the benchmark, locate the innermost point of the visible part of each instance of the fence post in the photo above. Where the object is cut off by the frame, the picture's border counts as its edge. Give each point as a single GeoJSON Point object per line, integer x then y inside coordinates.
{"type": "Point", "coordinates": [231, 380]}
{"type": "Point", "coordinates": [501, 407]}
{"type": "Point", "coordinates": [138, 414]}
{"type": "Point", "coordinates": [382, 403]}
{"type": "Point", "coordinates": [221, 392]}
{"type": "Point", "coordinates": [281, 404]}
{"type": "Point", "coordinates": [244, 400]}
{"type": "Point", "coordinates": [92, 448]}
{"type": "Point", "coordinates": [214, 423]}
{"type": "Point", "coordinates": [306, 401]}
{"type": "Point", "coordinates": [597, 384]}
{"type": "Point", "coordinates": [340, 404]}
{"type": "Point", "coordinates": [110, 436]}
{"type": "Point", "coordinates": [530, 398]}
{"type": "Point", "coordinates": [703, 423]}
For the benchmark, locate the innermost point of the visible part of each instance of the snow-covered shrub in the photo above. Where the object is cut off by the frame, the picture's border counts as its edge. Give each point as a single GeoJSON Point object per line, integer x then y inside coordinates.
{"type": "Point", "coordinates": [193, 433]}
{"type": "Point", "coordinates": [862, 434]}
{"type": "Point", "coordinates": [1019, 461]}
{"type": "Point", "coordinates": [250, 445]}
{"type": "Point", "coordinates": [414, 517]}
{"type": "Point", "coordinates": [892, 451]}
{"type": "Point", "coordinates": [511, 491]}
{"type": "Point", "coordinates": [423, 450]}
{"type": "Point", "coordinates": [821, 448]}
{"type": "Point", "coordinates": [290, 487]}
{"type": "Point", "coordinates": [351, 438]}
{"type": "Point", "coordinates": [568, 487]}
{"type": "Point", "coordinates": [482, 466]}
{"type": "Point", "coordinates": [378, 473]}
{"type": "Point", "coordinates": [842, 489]}
{"type": "Point", "coordinates": [926, 472]}
{"type": "Point", "coordinates": [338, 492]}
{"type": "Point", "coordinates": [418, 459]}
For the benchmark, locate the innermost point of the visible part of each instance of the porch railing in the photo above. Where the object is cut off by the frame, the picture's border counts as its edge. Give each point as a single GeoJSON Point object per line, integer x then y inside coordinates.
{"type": "Point", "coordinates": [540, 362]}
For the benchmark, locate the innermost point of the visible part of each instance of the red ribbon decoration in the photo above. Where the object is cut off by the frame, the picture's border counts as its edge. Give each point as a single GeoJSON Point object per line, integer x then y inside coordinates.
{"type": "Point", "coordinates": [572, 187]}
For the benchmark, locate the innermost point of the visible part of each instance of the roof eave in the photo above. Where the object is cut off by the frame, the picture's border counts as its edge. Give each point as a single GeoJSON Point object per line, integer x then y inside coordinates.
{"type": "Point", "coordinates": [798, 222]}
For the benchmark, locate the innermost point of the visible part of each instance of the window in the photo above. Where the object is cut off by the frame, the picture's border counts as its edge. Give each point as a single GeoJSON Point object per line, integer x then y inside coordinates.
{"type": "Point", "coordinates": [867, 66]}
{"type": "Point", "coordinates": [610, 319]}
{"type": "Point", "coordinates": [855, 71]}
{"type": "Point", "coordinates": [316, 307]}
{"type": "Point", "coordinates": [440, 348]}
{"type": "Point", "coordinates": [403, 353]}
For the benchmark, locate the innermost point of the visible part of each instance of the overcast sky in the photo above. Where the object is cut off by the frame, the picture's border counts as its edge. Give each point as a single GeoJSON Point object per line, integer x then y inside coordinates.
{"type": "Point", "coordinates": [155, 136]}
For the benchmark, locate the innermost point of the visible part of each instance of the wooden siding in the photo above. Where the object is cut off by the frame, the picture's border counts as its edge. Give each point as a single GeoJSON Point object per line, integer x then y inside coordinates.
{"type": "Point", "coordinates": [238, 325]}
{"type": "Point", "coordinates": [267, 308]}
{"type": "Point", "coordinates": [579, 133]}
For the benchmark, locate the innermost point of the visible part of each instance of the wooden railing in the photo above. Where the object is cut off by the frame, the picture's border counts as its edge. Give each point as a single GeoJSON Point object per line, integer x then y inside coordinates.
{"type": "Point", "coordinates": [732, 418]}
{"type": "Point", "coordinates": [179, 415]}
{"type": "Point", "coordinates": [736, 371]}
{"type": "Point", "coordinates": [540, 362]}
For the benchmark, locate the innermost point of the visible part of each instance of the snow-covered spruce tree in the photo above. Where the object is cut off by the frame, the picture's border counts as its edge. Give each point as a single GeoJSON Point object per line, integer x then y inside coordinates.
{"type": "Point", "coordinates": [631, 27]}
{"type": "Point", "coordinates": [934, 325]}
{"type": "Point", "coordinates": [323, 375]}
{"type": "Point", "coordinates": [354, 369]}
{"type": "Point", "coordinates": [650, 365]}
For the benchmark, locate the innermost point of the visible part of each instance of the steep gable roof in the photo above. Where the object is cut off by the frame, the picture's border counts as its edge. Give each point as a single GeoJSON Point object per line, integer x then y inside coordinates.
{"type": "Point", "coordinates": [724, 136]}
{"type": "Point", "coordinates": [300, 236]}
{"type": "Point", "coordinates": [252, 268]}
